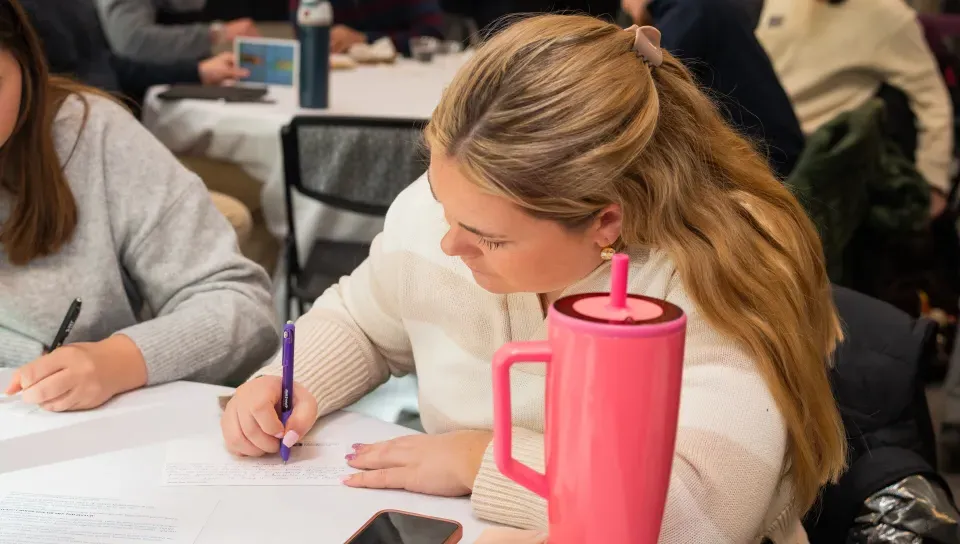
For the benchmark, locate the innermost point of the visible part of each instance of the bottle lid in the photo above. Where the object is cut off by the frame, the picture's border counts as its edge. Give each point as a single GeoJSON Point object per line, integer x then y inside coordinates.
{"type": "Point", "coordinates": [617, 306]}
{"type": "Point", "coordinates": [314, 13]}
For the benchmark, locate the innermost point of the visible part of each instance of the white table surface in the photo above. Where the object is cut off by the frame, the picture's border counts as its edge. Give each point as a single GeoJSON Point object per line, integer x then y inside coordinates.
{"type": "Point", "coordinates": [249, 134]}
{"type": "Point", "coordinates": [122, 455]}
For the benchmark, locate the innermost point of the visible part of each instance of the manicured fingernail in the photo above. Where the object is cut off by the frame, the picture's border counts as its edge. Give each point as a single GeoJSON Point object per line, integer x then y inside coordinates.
{"type": "Point", "coordinates": [346, 479]}
{"type": "Point", "coordinates": [278, 435]}
{"type": "Point", "coordinates": [290, 439]}
{"type": "Point", "coordinates": [350, 456]}
{"type": "Point", "coordinates": [357, 446]}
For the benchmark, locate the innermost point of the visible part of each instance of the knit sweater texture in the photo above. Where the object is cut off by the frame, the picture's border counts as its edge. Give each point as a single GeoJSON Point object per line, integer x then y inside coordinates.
{"type": "Point", "coordinates": [151, 258]}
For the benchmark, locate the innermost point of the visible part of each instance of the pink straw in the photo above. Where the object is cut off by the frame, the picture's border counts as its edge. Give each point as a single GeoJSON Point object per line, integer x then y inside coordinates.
{"type": "Point", "coordinates": [618, 281]}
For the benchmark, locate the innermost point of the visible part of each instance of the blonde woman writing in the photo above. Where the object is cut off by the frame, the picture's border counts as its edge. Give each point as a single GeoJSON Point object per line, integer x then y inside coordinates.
{"type": "Point", "coordinates": [557, 142]}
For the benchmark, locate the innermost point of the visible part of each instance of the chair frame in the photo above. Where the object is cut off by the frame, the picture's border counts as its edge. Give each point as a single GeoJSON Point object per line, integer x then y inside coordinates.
{"type": "Point", "coordinates": [290, 145]}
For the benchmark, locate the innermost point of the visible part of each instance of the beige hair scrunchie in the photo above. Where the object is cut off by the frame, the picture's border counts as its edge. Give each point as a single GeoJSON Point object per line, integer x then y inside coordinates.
{"type": "Point", "coordinates": [646, 44]}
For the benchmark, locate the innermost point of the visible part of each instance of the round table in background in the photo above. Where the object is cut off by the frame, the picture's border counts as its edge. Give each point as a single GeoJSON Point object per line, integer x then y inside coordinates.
{"type": "Point", "coordinates": [248, 135]}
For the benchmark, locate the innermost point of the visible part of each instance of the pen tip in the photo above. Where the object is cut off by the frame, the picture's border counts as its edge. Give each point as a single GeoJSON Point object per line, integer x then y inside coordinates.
{"type": "Point", "coordinates": [289, 322]}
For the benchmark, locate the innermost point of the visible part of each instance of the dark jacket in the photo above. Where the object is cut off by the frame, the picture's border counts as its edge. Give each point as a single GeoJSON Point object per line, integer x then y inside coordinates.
{"type": "Point", "coordinates": [851, 178]}
{"type": "Point", "coordinates": [715, 39]}
{"type": "Point", "coordinates": [877, 383]}
{"type": "Point", "coordinates": [76, 46]}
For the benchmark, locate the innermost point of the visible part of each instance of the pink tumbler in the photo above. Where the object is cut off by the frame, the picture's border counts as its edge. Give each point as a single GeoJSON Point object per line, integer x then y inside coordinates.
{"type": "Point", "coordinates": [614, 367]}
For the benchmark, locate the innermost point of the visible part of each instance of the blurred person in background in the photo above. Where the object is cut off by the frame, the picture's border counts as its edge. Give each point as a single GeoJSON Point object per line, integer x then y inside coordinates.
{"type": "Point", "coordinates": [228, 10]}
{"type": "Point", "coordinates": [489, 14]}
{"type": "Point", "coordinates": [134, 31]}
{"type": "Point", "coordinates": [834, 56]}
{"type": "Point", "coordinates": [75, 45]}
{"type": "Point", "coordinates": [716, 41]}
{"type": "Point", "coordinates": [366, 21]}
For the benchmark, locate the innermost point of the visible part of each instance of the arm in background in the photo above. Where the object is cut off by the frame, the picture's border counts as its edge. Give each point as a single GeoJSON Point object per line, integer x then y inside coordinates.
{"type": "Point", "coordinates": [909, 65]}
{"type": "Point", "coordinates": [132, 30]}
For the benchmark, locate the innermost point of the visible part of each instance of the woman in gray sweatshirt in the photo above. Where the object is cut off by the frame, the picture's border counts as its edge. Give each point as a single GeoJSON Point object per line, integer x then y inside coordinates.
{"type": "Point", "coordinates": [93, 207]}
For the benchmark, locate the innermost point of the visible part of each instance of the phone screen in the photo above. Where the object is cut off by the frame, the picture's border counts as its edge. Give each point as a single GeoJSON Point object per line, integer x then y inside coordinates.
{"type": "Point", "coordinates": [400, 528]}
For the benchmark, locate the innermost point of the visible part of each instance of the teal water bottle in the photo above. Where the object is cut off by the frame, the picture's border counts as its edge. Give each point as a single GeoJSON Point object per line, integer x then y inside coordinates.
{"type": "Point", "coordinates": [314, 19]}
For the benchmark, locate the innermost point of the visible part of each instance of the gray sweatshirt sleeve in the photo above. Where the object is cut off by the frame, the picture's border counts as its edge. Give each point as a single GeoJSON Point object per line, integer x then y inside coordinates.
{"type": "Point", "coordinates": [16, 348]}
{"type": "Point", "coordinates": [214, 316]}
{"type": "Point", "coordinates": [132, 30]}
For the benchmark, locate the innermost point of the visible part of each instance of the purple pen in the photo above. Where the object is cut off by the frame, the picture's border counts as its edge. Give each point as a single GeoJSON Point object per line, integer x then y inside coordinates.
{"type": "Point", "coordinates": [286, 393]}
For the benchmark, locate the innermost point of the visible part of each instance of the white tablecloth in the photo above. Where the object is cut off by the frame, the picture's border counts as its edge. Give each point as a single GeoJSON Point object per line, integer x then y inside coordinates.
{"type": "Point", "coordinates": [121, 454]}
{"type": "Point", "coordinates": [249, 134]}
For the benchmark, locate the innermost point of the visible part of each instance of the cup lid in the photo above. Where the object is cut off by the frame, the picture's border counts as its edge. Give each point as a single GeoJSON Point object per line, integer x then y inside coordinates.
{"type": "Point", "coordinates": [617, 307]}
{"type": "Point", "coordinates": [633, 310]}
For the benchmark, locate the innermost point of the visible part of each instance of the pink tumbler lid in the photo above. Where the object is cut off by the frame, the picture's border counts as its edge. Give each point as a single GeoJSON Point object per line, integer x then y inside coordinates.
{"type": "Point", "coordinates": [617, 306]}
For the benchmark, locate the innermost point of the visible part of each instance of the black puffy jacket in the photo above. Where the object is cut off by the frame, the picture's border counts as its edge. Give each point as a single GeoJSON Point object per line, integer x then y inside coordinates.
{"type": "Point", "coordinates": [877, 382]}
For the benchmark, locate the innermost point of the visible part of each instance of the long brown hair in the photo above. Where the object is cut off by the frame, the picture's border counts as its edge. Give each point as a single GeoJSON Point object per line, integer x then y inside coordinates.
{"type": "Point", "coordinates": [557, 114]}
{"type": "Point", "coordinates": [44, 213]}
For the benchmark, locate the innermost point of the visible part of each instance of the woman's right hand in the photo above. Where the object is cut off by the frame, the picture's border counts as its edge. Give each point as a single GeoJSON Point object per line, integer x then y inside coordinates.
{"type": "Point", "coordinates": [250, 424]}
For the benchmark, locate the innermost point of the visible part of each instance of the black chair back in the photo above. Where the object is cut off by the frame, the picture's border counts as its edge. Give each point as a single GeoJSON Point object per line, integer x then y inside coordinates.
{"type": "Point", "coordinates": [347, 163]}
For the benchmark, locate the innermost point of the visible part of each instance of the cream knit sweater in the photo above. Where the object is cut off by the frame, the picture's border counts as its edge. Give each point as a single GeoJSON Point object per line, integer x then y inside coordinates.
{"type": "Point", "coordinates": [833, 58]}
{"type": "Point", "coordinates": [409, 308]}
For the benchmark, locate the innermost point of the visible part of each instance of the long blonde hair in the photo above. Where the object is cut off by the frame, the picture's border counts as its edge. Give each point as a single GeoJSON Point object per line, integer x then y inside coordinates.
{"type": "Point", "coordinates": [559, 115]}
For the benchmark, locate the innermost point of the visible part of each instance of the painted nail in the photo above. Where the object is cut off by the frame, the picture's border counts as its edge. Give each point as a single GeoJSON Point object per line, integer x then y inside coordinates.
{"type": "Point", "coordinates": [278, 435]}
{"type": "Point", "coordinates": [357, 446]}
{"type": "Point", "coordinates": [350, 456]}
{"type": "Point", "coordinates": [290, 439]}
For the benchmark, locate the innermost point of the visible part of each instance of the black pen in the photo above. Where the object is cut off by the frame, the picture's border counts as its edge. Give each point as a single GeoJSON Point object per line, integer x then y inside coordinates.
{"type": "Point", "coordinates": [69, 321]}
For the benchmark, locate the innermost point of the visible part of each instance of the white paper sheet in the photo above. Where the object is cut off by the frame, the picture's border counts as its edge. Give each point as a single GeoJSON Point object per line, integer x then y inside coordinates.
{"type": "Point", "coordinates": [205, 461]}
{"type": "Point", "coordinates": [27, 518]}
{"type": "Point", "coordinates": [18, 418]}
{"type": "Point", "coordinates": [12, 405]}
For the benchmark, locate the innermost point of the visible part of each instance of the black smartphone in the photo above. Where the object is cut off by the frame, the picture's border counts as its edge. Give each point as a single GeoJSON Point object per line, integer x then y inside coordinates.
{"type": "Point", "coordinates": [396, 527]}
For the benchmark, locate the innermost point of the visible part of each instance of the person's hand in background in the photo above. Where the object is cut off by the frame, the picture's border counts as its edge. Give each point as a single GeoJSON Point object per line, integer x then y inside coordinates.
{"type": "Point", "coordinates": [439, 464]}
{"type": "Point", "coordinates": [81, 376]}
{"type": "Point", "coordinates": [938, 203]}
{"type": "Point", "coordinates": [239, 28]}
{"type": "Point", "coordinates": [637, 10]}
{"type": "Point", "coordinates": [220, 69]}
{"type": "Point", "coordinates": [511, 536]}
{"type": "Point", "coordinates": [250, 424]}
{"type": "Point", "coordinates": [343, 37]}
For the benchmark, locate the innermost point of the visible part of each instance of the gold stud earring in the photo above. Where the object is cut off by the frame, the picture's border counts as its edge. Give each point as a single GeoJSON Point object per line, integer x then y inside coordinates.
{"type": "Point", "coordinates": [607, 253]}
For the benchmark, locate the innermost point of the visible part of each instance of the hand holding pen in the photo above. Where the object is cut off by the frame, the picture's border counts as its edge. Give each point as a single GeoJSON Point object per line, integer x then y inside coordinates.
{"type": "Point", "coordinates": [269, 414]}
{"type": "Point", "coordinates": [66, 326]}
{"type": "Point", "coordinates": [79, 376]}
